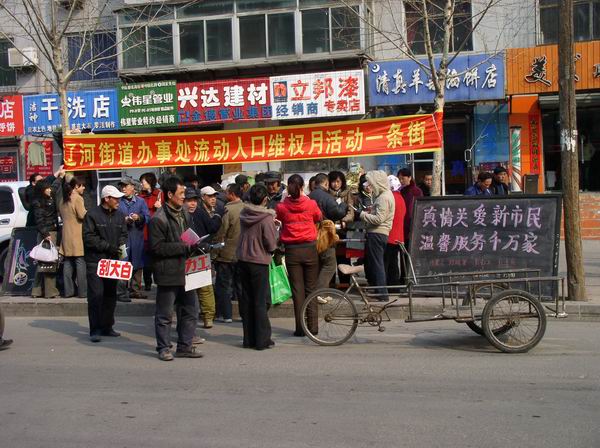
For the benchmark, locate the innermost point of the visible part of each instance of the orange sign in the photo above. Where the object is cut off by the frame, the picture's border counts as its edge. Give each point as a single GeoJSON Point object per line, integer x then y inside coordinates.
{"type": "Point", "coordinates": [381, 136]}
{"type": "Point", "coordinates": [535, 70]}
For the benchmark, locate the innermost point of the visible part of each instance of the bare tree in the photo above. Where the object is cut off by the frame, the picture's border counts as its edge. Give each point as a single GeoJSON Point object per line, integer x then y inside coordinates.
{"type": "Point", "coordinates": [437, 22]}
{"type": "Point", "coordinates": [47, 25]}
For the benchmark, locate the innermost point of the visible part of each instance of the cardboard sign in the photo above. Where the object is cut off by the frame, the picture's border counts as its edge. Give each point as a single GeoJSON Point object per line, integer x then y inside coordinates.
{"type": "Point", "coordinates": [114, 269]}
{"type": "Point", "coordinates": [197, 272]}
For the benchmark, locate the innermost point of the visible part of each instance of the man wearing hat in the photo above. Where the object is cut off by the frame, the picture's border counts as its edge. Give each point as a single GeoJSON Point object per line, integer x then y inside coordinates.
{"type": "Point", "coordinates": [501, 182]}
{"type": "Point", "coordinates": [137, 216]}
{"type": "Point", "coordinates": [204, 222]}
{"type": "Point", "coordinates": [104, 233]}
{"type": "Point", "coordinates": [274, 190]}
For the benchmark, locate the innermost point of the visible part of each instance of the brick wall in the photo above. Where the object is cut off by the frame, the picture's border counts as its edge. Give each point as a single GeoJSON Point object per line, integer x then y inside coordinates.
{"type": "Point", "coordinates": [589, 204]}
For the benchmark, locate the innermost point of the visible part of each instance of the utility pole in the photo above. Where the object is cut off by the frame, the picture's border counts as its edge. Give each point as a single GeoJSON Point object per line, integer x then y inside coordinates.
{"type": "Point", "coordinates": [569, 153]}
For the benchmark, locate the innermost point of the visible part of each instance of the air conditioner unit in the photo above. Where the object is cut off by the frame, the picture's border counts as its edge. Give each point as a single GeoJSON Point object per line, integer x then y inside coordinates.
{"type": "Point", "coordinates": [25, 57]}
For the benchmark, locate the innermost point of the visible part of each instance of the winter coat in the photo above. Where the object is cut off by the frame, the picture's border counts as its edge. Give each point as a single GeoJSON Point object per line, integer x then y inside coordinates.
{"type": "Point", "coordinates": [229, 233]}
{"type": "Point", "coordinates": [46, 215]}
{"type": "Point", "coordinates": [409, 193]}
{"type": "Point", "coordinates": [397, 232]}
{"type": "Point", "coordinates": [347, 198]}
{"type": "Point", "coordinates": [104, 231]}
{"type": "Point", "coordinates": [150, 200]}
{"type": "Point", "coordinates": [276, 199]}
{"type": "Point", "coordinates": [500, 189]}
{"type": "Point", "coordinates": [167, 250]}
{"type": "Point", "coordinates": [474, 190]}
{"type": "Point", "coordinates": [258, 235]}
{"type": "Point", "coordinates": [135, 240]}
{"type": "Point", "coordinates": [328, 205]}
{"type": "Point", "coordinates": [204, 223]}
{"type": "Point", "coordinates": [380, 219]}
{"type": "Point", "coordinates": [298, 220]}
{"type": "Point", "coordinates": [72, 214]}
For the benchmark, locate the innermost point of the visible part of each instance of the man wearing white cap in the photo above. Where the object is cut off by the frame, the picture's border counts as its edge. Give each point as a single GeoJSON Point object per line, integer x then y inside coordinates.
{"type": "Point", "coordinates": [104, 232]}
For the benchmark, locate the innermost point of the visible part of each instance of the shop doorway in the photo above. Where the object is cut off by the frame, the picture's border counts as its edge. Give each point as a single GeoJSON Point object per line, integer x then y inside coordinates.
{"type": "Point", "coordinates": [457, 140]}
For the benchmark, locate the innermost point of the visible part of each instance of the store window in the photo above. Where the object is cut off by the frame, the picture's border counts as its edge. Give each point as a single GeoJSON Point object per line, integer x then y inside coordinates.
{"type": "Point", "coordinates": [219, 45]}
{"type": "Point", "coordinates": [98, 60]}
{"type": "Point", "coordinates": [252, 37]}
{"type": "Point", "coordinates": [191, 42]}
{"type": "Point", "coordinates": [134, 47]}
{"type": "Point", "coordinates": [586, 20]}
{"type": "Point", "coordinates": [461, 30]}
{"type": "Point", "coordinates": [281, 34]}
{"type": "Point", "coordinates": [254, 30]}
{"type": "Point", "coordinates": [8, 75]}
{"type": "Point", "coordinates": [160, 45]}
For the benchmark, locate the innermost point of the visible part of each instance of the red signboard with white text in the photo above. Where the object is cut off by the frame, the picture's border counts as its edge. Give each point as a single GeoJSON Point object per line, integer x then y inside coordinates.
{"type": "Point", "coordinates": [11, 116]}
{"type": "Point", "coordinates": [222, 101]}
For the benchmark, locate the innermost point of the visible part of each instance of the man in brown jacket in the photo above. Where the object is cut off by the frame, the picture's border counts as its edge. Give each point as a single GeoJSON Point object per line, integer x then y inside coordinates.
{"type": "Point", "coordinates": [227, 284]}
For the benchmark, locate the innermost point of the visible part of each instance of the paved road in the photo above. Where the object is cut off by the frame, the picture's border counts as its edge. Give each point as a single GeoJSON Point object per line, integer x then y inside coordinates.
{"type": "Point", "coordinates": [418, 385]}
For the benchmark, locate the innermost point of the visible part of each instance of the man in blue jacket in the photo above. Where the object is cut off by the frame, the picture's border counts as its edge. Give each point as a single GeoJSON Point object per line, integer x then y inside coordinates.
{"type": "Point", "coordinates": [482, 187]}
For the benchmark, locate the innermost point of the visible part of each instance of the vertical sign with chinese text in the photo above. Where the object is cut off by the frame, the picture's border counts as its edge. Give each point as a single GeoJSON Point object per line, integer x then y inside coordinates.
{"type": "Point", "coordinates": [220, 101]}
{"type": "Point", "coordinates": [469, 78]}
{"type": "Point", "coordinates": [486, 234]}
{"type": "Point", "coordinates": [314, 95]}
{"type": "Point", "coordinates": [148, 105]}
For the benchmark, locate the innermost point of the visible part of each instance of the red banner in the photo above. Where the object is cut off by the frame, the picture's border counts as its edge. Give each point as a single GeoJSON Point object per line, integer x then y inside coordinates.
{"type": "Point", "coordinates": [380, 136]}
{"type": "Point", "coordinates": [11, 116]}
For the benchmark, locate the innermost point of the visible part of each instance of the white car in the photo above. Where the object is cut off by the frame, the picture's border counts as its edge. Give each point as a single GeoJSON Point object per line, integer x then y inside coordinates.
{"type": "Point", "coordinates": [12, 214]}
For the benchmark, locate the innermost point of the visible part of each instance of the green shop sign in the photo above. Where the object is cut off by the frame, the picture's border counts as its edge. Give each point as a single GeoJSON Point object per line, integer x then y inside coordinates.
{"type": "Point", "coordinates": [148, 104]}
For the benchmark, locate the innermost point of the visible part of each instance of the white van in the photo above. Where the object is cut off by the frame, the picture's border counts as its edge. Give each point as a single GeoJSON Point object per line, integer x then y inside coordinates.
{"type": "Point", "coordinates": [12, 214]}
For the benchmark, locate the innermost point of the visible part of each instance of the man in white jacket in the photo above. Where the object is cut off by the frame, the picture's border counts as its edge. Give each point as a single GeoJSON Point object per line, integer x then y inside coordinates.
{"type": "Point", "coordinates": [379, 223]}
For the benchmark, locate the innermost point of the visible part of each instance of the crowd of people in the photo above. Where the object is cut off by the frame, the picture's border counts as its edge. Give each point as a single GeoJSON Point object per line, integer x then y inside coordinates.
{"type": "Point", "coordinates": [296, 223]}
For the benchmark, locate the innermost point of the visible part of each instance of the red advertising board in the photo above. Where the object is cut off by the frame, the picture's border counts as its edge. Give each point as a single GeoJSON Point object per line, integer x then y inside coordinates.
{"type": "Point", "coordinates": [11, 116]}
{"type": "Point", "coordinates": [220, 101]}
{"type": "Point", "coordinates": [380, 136]}
{"type": "Point", "coordinates": [38, 158]}
{"type": "Point", "coordinates": [8, 166]}
{"type": "Point", "coordinates": [114, 269]}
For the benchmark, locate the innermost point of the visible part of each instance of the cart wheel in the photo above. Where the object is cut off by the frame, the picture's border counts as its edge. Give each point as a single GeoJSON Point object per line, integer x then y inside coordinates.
{"type": "Point", "coordinates": [329, 317]}
{"type": "Point", "coordinates": [475, 324]}
{"type": "Point", "coordinates": [522, 317]}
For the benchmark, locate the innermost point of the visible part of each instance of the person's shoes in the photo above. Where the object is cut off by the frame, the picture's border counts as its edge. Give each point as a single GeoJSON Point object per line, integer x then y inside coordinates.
{"type": "Point", "coordinates": [148, 288]}
{"type": "Point", "coordinates": [193, 353]}
{"type": "Point", "coordinates": [271, 343]}
{"type": "Point", "coordinates": [299, 334]}
{"type": "Point", "coordinates": [95, 338]}
{"type": "Point", "coordinates": [227, 321]}
{"type": "Point", "coordinates": [208, 323]}
{"type": "Point", "coordinates": [5, 343]}
{"type": "Point", "coordinates": [138, 295]}
{"type": "Point", "coordinates": [111, 333]}
{"type": "Point", "coordinates": [124, 299]}
{"type": "Point", "coordinates": [165, 355]}
{"type": "Point", "coordinates": [197, 340]}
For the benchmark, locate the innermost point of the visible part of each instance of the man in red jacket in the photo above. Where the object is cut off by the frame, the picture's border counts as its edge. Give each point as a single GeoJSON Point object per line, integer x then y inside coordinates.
{"type": "Point", "coordinates": [396, 237]}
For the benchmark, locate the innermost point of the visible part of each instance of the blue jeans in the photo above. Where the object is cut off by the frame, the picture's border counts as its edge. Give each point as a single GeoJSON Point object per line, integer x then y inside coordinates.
{"type": "Point", "coordinates": [227, 286]}
{"type": "Point", "coordinates": [76, 264]}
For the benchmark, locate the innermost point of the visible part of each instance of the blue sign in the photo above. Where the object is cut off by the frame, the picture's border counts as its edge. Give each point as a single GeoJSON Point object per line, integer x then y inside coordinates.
{"type": "Point", "coordinates": [469, 78]}
{"type": "Point", "coordinates": [87, 109]}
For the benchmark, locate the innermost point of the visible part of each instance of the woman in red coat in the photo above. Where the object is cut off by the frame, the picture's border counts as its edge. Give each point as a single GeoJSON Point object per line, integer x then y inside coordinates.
{"type": "Point", "coordinates": [153, 198]}
{"type": "Point", "coordinates": [392, 250]}
{"type": "Point", "coordinates": [299, 216]}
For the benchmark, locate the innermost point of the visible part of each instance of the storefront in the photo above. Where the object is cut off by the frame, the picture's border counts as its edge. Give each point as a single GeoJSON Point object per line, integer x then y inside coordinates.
{"type": "Point", "coordinates": [532, 75]}
{"type": "Point", "coordinates": [474, 115]}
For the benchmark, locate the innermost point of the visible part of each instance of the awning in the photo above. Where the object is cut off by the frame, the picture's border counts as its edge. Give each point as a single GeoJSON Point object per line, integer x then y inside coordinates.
{"type": "Point", "coordinates": [583, 100]}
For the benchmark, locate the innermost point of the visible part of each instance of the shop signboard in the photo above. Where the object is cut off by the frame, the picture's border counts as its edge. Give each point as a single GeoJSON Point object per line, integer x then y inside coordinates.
{"type": "Point", "coordinates": [11, 116]}
{"type": "Point", "coordinates": [87, 109]}
{"type": "Point", "coordinates": [314, 95]}
{"type": "Point", "coordinates": [380, 136]}
{"type": "Point", "coordinates": [473, 77]}
{"type": "Point", "coordinates": [486, 233]}
{"type": "Point", "coordinates": [535, 69]}
{"type": "Point", "coordinates": [222, 101]}
{"type": "Point", "coordinates": [148, 104]}
{"type": "Point", "coordinates": [9, 166]}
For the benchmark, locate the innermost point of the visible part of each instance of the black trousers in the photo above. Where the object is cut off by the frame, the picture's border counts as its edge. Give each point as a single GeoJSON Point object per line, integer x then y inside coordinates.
{"type": "Point", "coordinates": [302, 263]}
{"type": "Point", "coordinates": [391, 259]}
{"type": "Point", "coordinates": [255, 303]}
{"type": "Point", "coordinates": [374, 265]}
{"type": "Point", "coordinates": [227, 287]}
{"type": "Point", "coordinates": [186, 308]}
{"type": "Point", "coordinates": [102, 301]}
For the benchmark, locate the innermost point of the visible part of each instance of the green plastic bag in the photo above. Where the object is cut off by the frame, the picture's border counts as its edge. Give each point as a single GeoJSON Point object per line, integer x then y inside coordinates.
{"type": "Point", "coordinates": [280, 285]}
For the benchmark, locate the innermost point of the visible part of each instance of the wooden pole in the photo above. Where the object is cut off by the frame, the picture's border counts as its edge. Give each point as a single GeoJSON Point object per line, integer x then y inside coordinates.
{"type": "Point", "coordinates": [569, 154]}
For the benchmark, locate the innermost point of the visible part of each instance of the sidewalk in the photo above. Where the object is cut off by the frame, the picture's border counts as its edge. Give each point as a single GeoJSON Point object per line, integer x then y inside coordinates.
{"type": "Point", "coordinates": [590, 310]}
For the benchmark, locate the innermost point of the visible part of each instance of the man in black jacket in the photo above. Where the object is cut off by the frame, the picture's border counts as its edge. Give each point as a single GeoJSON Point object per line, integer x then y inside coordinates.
{"type": "Point", "coordinates": [104, 233]}
{"type": "Point", "coordinates": [168, 262]}
{"type": "Point", "coordinates": [333, 211]}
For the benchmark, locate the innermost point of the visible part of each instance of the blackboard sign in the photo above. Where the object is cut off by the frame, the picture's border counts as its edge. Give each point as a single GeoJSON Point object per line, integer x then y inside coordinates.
{"type": "Point", "coordinates": [19, 270]}
{"type": "Point", "coordinates": [477, 233]}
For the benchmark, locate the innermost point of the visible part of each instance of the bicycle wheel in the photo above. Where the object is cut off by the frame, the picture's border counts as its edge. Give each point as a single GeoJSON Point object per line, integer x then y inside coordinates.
{"type": "Point", "coordinates": [524, 316]}
{"type": "Point", "coordinates": [329, 317]}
